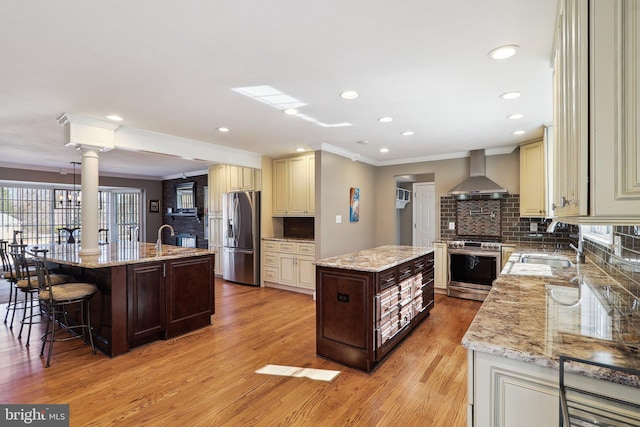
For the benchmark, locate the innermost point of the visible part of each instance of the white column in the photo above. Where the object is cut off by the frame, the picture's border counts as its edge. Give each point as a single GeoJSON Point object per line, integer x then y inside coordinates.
{"type": "Point", "coordinates": [89, 180]}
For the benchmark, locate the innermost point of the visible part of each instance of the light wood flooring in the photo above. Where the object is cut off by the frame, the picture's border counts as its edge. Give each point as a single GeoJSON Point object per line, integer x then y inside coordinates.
{"type": "Point", "coordinates": [207, 378]}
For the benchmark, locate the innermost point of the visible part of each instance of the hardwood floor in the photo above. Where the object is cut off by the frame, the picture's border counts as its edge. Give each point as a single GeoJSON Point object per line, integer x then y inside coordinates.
{"type": "Point", "coordinates": [207, 378]}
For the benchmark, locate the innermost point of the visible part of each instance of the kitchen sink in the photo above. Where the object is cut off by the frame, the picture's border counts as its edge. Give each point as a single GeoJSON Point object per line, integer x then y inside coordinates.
{"type": "Point", "coordinates": [546, 260]}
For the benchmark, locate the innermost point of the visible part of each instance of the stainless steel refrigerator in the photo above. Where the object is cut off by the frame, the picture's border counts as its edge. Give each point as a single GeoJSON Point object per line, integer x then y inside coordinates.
{"type": "Point", "coordinates": [241, 237]}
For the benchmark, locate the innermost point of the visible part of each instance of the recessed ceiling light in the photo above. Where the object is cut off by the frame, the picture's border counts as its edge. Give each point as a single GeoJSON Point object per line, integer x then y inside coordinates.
{"type": "Point", "coordinates": [518, 132]}
{"type": "Point", "coordinates": [385, 119]}
{"type": "Point", "coordinates": [223, 129]}
{"type": "Point", "coordinates": [384, 150]}
{"type": "Point", "coordinates": [407, 133]}
{"type": "Point", "coordinates": [300, 149]}
{"type": "Point", "coordinates": [290, 111]}
{"type": "Point", "coordinates": [349, 94]}
{"type": "Point", "coordinates": [515, 116]}
{"type": "Point", "coordinates": [364, 141]}
{"type": "Point", "coordinates": [114, 117]}
{"type": "Point", "coordinates": [503, 52]}
{"type": "Point", "coordinates": [510, 95]}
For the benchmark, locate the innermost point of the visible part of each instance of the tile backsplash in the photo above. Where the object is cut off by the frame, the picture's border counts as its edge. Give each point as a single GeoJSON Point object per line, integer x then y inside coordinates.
{"type": "Point", "coordinates": [511, 228]}
{"type": "Point", "coordinates": [622, 265]}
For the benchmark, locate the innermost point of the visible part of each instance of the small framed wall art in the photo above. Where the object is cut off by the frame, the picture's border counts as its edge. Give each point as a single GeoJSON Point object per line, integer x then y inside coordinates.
{"type": "Point", "coordinates": [154, 205]}
{"type": "Point", "coordinates": [354, 204]}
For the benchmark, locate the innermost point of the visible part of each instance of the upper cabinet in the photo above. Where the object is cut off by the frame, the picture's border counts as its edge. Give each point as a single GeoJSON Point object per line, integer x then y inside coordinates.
{"type": "Point", "coordinates": [294, 186]}
{"type": "Point", "coordinates": [242, 179]}
{"type": "Point", "coordinates": [533, 195]}
{"type": "Point", "coordinates": [596, 95]}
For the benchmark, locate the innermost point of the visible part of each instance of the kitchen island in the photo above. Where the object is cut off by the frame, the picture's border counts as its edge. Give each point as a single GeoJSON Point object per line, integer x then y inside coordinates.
{"type": "Point", "coordinates": [143, 294]}
{"type": "Point", "coordinates": [368, 301]}
{"type": "Point", "coordinates": [536, 312]}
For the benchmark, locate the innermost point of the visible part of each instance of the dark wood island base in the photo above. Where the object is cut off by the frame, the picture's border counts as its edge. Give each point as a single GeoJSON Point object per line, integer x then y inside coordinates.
{"type": "Point", "coordinates": [142, 296]}
{"type": "Point", "coordinates": [368, 301]}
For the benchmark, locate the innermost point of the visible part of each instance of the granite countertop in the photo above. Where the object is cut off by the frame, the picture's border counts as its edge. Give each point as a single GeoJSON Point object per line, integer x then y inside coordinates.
{"type": "Point", "coordinates": [535, 313]}
{"type": "Point", "coordinates": [290, 239]}
{"type": "Point", "coordinates": [376, 259]}
{"type": "Point", "coordinates": [119, 253]}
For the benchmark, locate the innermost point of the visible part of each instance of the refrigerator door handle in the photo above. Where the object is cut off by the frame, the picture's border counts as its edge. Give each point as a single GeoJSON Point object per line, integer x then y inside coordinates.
{"type": "Point", "coordinates": [238, 217]}
{"type": "Point", "coordinates": [238, 251]}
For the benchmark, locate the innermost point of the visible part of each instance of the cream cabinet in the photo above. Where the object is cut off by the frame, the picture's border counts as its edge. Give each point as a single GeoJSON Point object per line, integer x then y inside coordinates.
{"type": "Point", "coordinates": [242, 178]}
{"type": "Point", "coordinates": [508, 392]}
{"type": "Point", "coordinates": [505, 253]}
{"type": "Point", "coordinates": [217, 187]}
{"type": "Point", "coordinates": [533, 195]}
{"type": "Point", "coordinates": [441, 260]}
{"type": "Point", "coordinates": [294, 186]}
{"type": "Point", "coordinates": [289, 265]}
{"type": "Point", "coordinates": [596, 112]}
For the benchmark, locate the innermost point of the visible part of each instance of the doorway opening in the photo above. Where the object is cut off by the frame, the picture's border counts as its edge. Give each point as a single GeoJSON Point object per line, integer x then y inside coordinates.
{"type": "Point", "coordinates": [415, 217]}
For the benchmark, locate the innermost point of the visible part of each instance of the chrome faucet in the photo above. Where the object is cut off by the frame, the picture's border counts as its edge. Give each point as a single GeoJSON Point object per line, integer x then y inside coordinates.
{"type": "Point", "coordinates": [552, 227]}
{"type": "Point", "coordinates": [580, 258]}
{"type": "Point", "coordinates": [159, 241]}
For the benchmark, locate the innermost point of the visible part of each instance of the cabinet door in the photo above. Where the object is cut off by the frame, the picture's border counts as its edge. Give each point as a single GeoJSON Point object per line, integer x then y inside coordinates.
{"type": "Point", "coordinates": [146, 302]}
{"type": "Point", "coordinates": [217, 187]}
{"type": "Point", "coordinates": [311, 184]}
{"type": "Point", "coordinates": [441, 266]}
{"type": "Point", "coordinates": [280, 187]}
{"type": "Point", "coordinates": [505, 254]}
{"type": "Point", "coordinates": [287, 269]}
{"type": "Point", "coordinates": [306, 272]}
{"type": "Point", "coordinates": [298, 185]}
{"type": "Point", "coordinates": [615, 117]}
{"type": "Point", "coordinates": [571, 110]}
{"type": "Point", "coordinates": [190, 294]}
{"type": "Point", "coordinates": [240, 178]}
{"type": "Point", "coordinates": [532, 180]}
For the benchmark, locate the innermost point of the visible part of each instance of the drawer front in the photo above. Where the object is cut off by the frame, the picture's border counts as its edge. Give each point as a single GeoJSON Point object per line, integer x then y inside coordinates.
{"type": "Point", "coordinates": [288, 247]}
{"type": "Point", "coordinates": [270, 274]}
{"type": "Point", "coordinates": [271, 259]}
{"type": "Point", "coordinates": [387, 278]}
{"type": "Point", "coordinates": [405, 270]}
{"type": "Point", "coordinates": [387, 301]}
{"type": "Point", "coordinates": [306, 249]}
{"type": "Point", "coordinates": [420, 264]}
{"type": "Point", "coordinates": [268, 245]}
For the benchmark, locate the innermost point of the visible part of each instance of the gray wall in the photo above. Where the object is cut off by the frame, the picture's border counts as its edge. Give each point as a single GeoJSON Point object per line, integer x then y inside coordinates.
{"type": "Point", "coordinates": [335, 175]}
{"type": "Point", "coordinates": [152, 189]}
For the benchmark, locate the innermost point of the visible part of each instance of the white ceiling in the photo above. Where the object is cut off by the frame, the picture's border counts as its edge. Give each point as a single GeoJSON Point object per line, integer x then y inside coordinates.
{"type": "Point", "coordinates": [169, 67]}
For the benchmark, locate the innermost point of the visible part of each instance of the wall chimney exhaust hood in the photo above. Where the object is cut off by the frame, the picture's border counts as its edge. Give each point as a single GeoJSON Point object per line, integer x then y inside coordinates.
{"type": "Point", "coordinates": [477, 184]}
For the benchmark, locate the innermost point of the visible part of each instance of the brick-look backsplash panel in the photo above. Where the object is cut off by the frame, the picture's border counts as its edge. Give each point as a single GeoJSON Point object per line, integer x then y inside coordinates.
{"type": "Point", "coordinates": [513, 228]}
{"type": "Point", "coordinates": [186, 225]}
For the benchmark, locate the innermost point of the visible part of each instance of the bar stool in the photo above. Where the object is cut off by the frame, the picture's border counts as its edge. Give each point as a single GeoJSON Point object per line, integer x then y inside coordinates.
{"type": "Point", "coordinates": [57, 299]}
{"type": "Point", "coordinates": [3, 249]}
{"type": "Point", "coordinates": [27, 283]}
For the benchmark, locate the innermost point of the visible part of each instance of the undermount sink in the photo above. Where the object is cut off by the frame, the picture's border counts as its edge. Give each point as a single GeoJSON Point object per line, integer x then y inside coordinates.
{"type": "Point", "coordinates": [546, 260]}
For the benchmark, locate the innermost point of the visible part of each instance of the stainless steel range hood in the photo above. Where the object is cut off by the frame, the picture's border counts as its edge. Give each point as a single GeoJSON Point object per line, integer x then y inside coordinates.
{"type": "Point", "coordinates": [477, 183]}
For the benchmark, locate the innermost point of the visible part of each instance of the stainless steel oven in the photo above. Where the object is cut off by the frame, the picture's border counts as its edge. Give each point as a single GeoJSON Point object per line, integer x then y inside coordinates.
{"type": "Point", "coordinates": [473, 266]}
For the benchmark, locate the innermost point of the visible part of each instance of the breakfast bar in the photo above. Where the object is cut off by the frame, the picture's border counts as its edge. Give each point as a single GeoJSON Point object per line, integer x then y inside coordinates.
{"type": "Point", "coordinates": [368, 301]}
{"type": "Point", "coordinates": [143, 294]}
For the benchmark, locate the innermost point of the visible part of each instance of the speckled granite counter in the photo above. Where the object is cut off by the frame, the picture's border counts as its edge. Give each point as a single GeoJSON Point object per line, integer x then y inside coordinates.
{"type": "Point", "coordinates": [536, 312]}
{"type": "Point", "coordinates": [376, 259]}
{"type": "Point", "coordinates": [289, 239]}
{"type": "Point", "coordinates": [119, 253]}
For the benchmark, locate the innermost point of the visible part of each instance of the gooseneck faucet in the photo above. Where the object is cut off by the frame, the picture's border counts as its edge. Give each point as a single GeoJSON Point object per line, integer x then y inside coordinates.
{"type": "Point", "coordinates": [159, 241]}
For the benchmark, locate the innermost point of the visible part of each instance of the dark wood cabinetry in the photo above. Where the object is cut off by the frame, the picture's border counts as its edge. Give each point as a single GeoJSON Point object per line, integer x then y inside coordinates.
{"type": "Point", "coordinates": [361, 316]}
{"type": "Point", "coordinates": [167, 299]}
{"type": "Point", "coordinates": [146, 295]}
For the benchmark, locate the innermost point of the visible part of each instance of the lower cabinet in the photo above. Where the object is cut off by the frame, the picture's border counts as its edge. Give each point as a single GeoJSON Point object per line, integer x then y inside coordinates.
{"type": "Point", "coordinates": [361, 316]}
{"type": "Point", "coordinates": [168, 298]}
{"type": "Point", "coordinates": [146, 295]}
{"type": "Point", "coordinates": [289, 265]}
{"type": "Point", "coordinates": [441, 266]}
{"type": "Point", "coordinates": [507, 392]}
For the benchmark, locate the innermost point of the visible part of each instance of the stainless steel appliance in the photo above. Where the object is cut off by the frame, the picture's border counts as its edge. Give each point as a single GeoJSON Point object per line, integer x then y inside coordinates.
{"type": "Point", "coordinates": [241, 237]}
{"type": "Point", "coordinates": [473, 266]}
